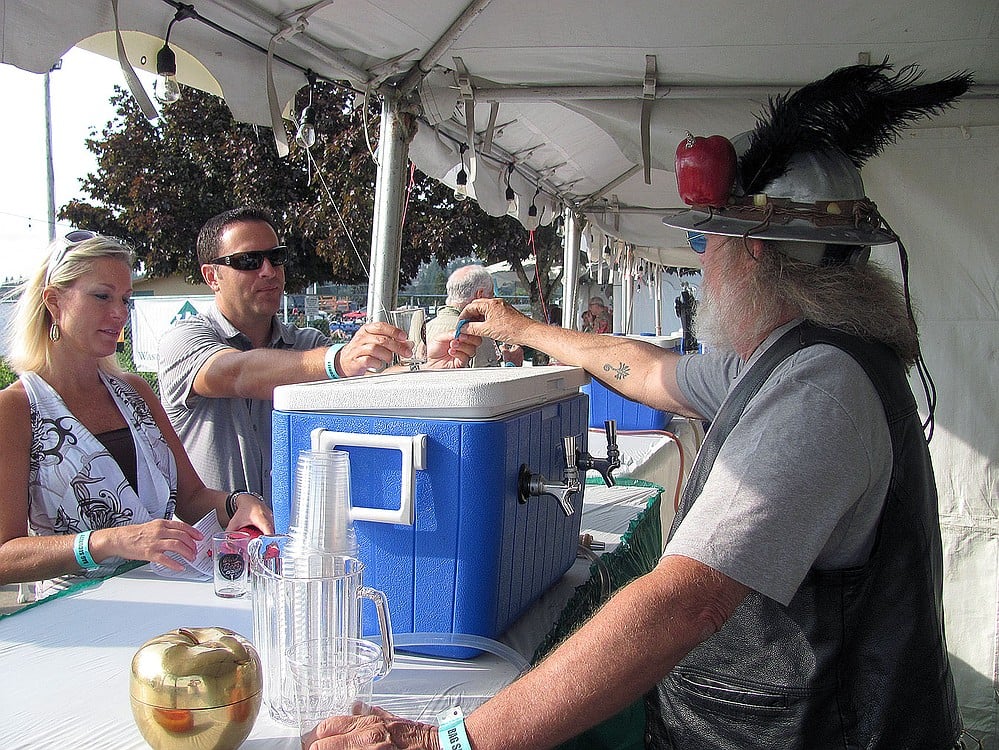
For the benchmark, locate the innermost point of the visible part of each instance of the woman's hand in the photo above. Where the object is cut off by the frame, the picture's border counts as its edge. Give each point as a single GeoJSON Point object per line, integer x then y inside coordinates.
{"type": "Point", "coordinates": [445, 352]}
{"type": "Point", "coordinates": [147, 541]}
{"type": "Point", "coordinates": [251, 512]}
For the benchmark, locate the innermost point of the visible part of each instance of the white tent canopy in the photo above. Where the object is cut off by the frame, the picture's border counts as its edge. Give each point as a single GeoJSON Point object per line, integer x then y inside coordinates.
{"type": "Point", "coordinates": [568, 80]}
{"type": "Point", "coordinates": [568, 90]}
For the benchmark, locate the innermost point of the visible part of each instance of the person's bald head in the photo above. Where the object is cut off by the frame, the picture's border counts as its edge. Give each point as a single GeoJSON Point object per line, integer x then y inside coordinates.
{"type": "Point", "coordinates": [468, 283]}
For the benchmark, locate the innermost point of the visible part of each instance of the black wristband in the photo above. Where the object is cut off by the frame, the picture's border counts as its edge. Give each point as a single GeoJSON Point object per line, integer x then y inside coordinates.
{"type": "Point", "coordinates": [230, 503]}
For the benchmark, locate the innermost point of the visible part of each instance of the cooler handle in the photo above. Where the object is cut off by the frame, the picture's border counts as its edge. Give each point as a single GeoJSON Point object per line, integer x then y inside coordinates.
{"type": "Point", "coordinates": [414, 456]}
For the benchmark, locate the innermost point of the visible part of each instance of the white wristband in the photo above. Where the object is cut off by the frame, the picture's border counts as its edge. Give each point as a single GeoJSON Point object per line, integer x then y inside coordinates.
{"type": "Point", "coordinates": [451, 730]}
{"type": "Point", "coordinates": [331, 353]}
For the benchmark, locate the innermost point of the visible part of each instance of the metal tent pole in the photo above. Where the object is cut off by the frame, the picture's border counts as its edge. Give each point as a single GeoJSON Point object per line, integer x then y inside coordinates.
{"type": "Point", "coordinates": [628, 291]}
{"type": "Point", "coordinates": [390, 194]}
{"type": "Point", "coordinates": [49, 171]}
{"type": "Point", "coordinates": [659, 300]}
{"type": "Point", "coordinates": [570, 264]}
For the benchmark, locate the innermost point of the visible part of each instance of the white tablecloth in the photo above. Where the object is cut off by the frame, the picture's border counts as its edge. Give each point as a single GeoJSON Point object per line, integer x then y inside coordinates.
{"type": "Point", "coordinates": [65, 663]}
{"type": "Point", "coordinates": [663, 457]}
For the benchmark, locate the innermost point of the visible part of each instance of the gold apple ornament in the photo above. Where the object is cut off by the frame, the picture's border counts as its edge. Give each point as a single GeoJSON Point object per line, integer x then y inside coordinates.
{"type": "Point", "coordinates": [196, 688]}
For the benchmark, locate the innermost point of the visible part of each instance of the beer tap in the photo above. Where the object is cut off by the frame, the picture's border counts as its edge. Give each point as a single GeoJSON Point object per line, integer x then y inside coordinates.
{"type": "Point", "coordinates": [584, 461]}
{"type": "Point", "coordinates": [536, 485]}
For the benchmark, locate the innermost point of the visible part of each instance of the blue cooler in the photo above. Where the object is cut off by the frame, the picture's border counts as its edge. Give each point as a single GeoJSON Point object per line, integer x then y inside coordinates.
{"type": "Point", "coordinates": [435, 459]}
{"type": "Point", "coordinates": [629, 415]}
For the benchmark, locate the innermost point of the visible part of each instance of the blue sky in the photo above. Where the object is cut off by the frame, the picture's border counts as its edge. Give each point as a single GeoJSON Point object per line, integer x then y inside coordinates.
{"type": "Point", "coordinates": [80, 94]}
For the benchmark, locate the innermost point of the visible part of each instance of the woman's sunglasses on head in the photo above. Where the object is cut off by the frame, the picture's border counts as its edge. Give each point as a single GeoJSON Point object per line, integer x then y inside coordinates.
{"type": "Point", "coordinates": [70, 241]}
{"type": "Point", "coordinates": [253, 260]}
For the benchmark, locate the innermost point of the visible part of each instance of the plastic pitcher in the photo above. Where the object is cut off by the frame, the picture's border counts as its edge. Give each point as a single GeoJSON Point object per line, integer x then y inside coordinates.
{"type": "Point", "coordinates": [303, 597]}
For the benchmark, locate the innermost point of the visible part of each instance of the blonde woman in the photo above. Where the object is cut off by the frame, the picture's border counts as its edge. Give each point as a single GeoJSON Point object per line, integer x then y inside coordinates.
{"type": "Point", "coordinates": [93, 473]}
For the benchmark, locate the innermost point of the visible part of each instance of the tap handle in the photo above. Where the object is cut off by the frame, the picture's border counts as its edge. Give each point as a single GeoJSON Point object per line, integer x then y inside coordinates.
{"type": "Point", "coordinates": [610, 429]}
{"type": "Point", "coordinates": [569, 443]}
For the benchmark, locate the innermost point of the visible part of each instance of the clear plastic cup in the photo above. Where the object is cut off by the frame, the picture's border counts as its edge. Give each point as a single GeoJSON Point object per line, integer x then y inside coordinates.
{"type": "Point", "coordinates": [332, 677]}
{"type": "Point", "coordinates": [411, 320]}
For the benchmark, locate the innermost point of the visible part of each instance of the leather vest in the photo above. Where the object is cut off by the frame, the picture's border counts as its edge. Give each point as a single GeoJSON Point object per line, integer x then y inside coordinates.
{"type": "Point", "coordinates": [858, 659]}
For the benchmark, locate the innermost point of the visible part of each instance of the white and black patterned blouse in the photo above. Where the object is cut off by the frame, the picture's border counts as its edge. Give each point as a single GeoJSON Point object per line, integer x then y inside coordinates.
{"type": "Point", "coordinates": [75, 484]}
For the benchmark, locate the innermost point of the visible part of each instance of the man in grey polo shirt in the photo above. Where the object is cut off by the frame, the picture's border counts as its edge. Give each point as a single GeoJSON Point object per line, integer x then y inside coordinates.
{"type": "Point", "coordinates": [218, 371]}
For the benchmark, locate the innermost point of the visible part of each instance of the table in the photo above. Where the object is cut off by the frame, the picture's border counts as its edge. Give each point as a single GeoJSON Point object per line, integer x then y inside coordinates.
{"type": "Point", "coordinates": [663, 457]}
{"type": "Point", "coordinates": [65, 663]}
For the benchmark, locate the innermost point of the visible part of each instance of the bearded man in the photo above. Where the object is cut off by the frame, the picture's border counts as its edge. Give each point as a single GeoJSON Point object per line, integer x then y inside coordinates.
{"type": "Point", "coordinates": [797, 603]}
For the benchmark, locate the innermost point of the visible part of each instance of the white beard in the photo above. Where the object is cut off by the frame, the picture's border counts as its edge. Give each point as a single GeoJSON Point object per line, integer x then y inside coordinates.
{"type": "Point", "coordinates": [715, 320]}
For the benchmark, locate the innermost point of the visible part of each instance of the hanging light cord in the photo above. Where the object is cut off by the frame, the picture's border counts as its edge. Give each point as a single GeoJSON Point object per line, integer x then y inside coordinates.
{"type": "Point", "coordinates": [343, 224]}
{"type": "Point", "coordinates": [409, 192]}
{"type": "Point", "coordinates": [929, 387]}
{"type": "Point", "coordinates": [183, 12]}
{"type": "Point", "coordinates": [365, 126]}
{"type": "Point", "coordinates": [537, 276]}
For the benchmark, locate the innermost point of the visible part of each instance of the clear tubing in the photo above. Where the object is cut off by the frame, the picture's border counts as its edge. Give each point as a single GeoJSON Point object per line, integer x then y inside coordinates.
{"type": "Point", "coordinates": [404, 640]}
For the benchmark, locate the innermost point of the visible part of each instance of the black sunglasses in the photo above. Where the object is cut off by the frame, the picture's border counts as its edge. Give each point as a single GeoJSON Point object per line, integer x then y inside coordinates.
{"type": "Point", "coordinates": [254, 259]}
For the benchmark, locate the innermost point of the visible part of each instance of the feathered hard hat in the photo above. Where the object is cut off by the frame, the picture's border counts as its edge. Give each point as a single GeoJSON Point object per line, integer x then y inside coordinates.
{"type": "Point", "coordinates": [797, 175]}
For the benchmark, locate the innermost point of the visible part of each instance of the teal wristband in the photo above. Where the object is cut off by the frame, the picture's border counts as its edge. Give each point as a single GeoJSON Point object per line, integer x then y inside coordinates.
{"type": "Point", "coordinates": [451, 730]}
{"type": "Point", "coordinates": [331, 353]}
{"type": "Point", "coordinates": [81, 550]}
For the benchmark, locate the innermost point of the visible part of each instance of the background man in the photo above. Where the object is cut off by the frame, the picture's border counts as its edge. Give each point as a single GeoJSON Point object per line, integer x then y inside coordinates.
{"type": "Point", "coordinates": [465, 285]}
{"type": "Point", "coordinates": [218, 371]}
{"type": "Point", "coordinates": [797, 603]}
{"type": "Point", "coordinates": [597, 318]}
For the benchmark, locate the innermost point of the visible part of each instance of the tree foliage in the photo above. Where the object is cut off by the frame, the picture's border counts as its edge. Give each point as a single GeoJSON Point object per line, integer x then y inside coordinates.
{"type": "Point", "coordinates": [156, 184]}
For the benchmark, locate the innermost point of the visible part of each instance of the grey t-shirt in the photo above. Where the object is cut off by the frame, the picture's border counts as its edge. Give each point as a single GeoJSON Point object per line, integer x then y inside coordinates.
{"type": "Point", "coordinates": [228, 439]}
{"type": "Point", "coordinates": [801, 479]}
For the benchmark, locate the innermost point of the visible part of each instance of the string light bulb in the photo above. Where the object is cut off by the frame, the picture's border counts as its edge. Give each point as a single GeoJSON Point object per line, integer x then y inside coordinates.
{"type": "Point", "coordinates": [166, 61]}
{"type": "Point", "coordinates": [166, 66]}
{"type": "Point", "coordinates": [533, 209]}
{"type": "Point", "coordinates": [306, 135]}
{"type": "Point", "coordinates": [461, 179]}
{"type": "Point", "coordinates": [511, 197]}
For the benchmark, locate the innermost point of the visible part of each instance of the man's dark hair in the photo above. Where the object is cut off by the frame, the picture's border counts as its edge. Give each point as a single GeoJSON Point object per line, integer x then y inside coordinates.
{"type": "Point", "coordinates": [210, 236]}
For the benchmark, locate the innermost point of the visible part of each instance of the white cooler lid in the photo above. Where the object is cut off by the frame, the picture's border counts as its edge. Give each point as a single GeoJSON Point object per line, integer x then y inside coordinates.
{"type": "Point", "coordinates": [478, 393]}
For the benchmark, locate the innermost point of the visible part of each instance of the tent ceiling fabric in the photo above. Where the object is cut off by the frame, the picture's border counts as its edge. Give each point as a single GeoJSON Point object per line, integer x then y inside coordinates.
{"type": "Point", "coordinates": [716, 63]}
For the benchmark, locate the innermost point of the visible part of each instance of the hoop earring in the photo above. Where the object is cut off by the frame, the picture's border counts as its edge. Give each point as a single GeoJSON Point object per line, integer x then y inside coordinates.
{"type": "Point", "coordinates": [54, 333]}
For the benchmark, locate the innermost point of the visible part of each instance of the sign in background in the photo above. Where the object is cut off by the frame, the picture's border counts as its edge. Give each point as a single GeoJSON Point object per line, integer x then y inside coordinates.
{"type": "Point", "coordinates": [152, 317]}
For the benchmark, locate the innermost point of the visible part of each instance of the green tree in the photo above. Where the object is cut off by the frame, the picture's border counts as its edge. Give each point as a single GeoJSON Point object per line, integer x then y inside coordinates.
{"type": "Point", "coordinates": [156, 184]}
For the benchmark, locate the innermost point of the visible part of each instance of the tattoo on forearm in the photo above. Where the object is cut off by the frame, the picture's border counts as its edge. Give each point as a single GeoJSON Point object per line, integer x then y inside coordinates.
{"type": "Point", "coordinates": [620, 372]}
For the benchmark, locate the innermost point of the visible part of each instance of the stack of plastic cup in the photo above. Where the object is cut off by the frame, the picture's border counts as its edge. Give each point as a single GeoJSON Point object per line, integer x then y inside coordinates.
{"type": "Point", "coordinates": [320, 508]}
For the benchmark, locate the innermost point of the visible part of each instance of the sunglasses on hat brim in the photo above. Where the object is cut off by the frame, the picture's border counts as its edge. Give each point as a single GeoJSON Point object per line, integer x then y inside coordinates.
{"type": "Point", "coordinates": [254, 259]}
{"type": "Point", "coordinates": [698, 242]}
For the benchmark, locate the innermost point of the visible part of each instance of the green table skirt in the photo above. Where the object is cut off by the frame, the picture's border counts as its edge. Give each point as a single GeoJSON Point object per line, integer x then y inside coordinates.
{"type": "Point", "coordinates": [637, 554]}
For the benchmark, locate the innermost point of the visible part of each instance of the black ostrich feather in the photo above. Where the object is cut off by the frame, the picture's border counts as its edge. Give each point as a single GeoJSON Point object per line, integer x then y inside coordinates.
{"type": "Point", "coordinates": [857, 110]}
